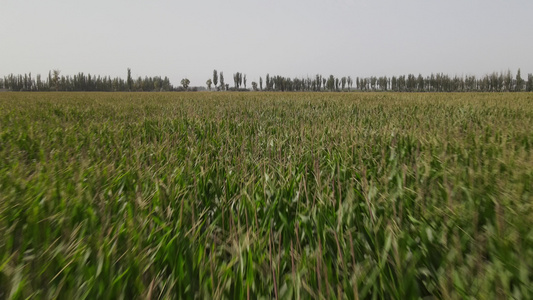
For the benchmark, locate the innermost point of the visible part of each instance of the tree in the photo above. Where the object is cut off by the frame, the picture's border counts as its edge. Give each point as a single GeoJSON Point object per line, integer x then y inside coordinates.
{"type": "Point", "coordinates": [209, 83]}
{"type": "Point", "coordinates": [166, 84]}
{"type": "Point", "coordinates": [343, 82]}
{"type": "Point", "coordinates": [55, 79]}
{"type": "Point", "coordinates": [39, 83]}
{"type": "Point", "coordinates": [420, 83]}
{"type": "Point", "coordinates": [529, 83]}
{"type": "Point", "coordinates": [130, 80]}
{"type": "Point", "coordinates": [185, 83]}
{"type": "Point", "coordinates": [261, 83]}
{"type": "Point", "coordinates": [222, 81]}
{"type": "Point", "coordinates": [508, 81]}
{"type": "Point", "coordinates": [519, 82]}
{"type": "Point", "coordinates": [330, 83]}
{"type": "Point", "coordinates": [236, 80]}
{"type": "Point", "coordinates": [254, 85]}
{"type": "Point", "coordinates": [244, 79]}
{"type": "Point", "coordinates": [215, 78]}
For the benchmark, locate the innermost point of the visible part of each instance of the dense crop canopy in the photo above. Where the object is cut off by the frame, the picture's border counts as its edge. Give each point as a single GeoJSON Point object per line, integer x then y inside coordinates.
{"type": "Point", "coordinates": [266, 195]}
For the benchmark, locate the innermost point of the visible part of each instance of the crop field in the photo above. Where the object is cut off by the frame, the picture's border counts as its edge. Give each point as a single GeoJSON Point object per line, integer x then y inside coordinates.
{"type": "Point", "coordinates": [266, 195]}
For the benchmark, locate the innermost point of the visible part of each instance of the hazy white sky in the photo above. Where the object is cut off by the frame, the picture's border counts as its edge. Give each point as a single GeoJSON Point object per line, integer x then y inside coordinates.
{"type": "Point", "coordinates": [283, 37]}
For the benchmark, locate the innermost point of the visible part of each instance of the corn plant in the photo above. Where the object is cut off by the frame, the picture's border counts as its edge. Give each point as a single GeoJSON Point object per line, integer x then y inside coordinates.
{"type": "Point", "coordinates": [266, 196]}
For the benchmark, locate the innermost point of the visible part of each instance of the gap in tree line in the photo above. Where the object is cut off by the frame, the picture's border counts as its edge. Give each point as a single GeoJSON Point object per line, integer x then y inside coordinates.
{"type": "Point", "coordinates": [494, 82]}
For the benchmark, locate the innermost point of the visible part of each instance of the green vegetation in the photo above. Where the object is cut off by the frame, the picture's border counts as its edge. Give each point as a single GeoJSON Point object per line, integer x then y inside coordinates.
{"type": "Point", "coordinates": [495, 82]}
{"type": "Point", "coordinates": [266, 195]}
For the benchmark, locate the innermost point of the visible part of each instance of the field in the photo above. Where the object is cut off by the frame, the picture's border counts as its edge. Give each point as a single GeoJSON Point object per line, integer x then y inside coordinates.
{"type": "Point", "coordinates": [266, 195]}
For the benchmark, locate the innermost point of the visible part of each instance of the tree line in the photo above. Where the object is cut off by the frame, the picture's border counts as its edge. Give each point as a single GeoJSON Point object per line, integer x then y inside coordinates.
{"type": "Point", "coordinates": [83, 82]}
{"type": "Point", "coordinates": [494, 82]}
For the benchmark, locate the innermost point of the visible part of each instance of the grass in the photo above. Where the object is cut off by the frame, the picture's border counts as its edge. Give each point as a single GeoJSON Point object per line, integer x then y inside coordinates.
{"type": "Point", "coordinates": [266, 195]}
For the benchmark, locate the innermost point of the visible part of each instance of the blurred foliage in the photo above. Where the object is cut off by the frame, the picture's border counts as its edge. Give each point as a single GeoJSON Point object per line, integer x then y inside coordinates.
{"type": "Point", "coordinates": [266, 195]}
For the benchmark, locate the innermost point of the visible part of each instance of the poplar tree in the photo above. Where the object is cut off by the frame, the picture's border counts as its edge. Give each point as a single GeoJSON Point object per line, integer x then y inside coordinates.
{"type": "Point", "coordinates": [529, 83]}
{"type": "Point", "coordinates": [330, 83]}
{"type": "Point", "coordinates": [130, 80]}
{"type": "Point", "coordinates": [519, 82]}
{"type": "Point", "coordinates": [215, 78]}
{"type": "Point", "coordinates": [56, 79]}
{"type": "Point", "coordinates": [508, 81]}
{"type": "Point", "coordinates": [222, 81]}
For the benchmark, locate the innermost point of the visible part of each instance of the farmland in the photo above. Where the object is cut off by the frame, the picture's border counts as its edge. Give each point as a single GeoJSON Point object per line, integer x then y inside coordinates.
{"type": "Point", "coordinates": [266, 195]}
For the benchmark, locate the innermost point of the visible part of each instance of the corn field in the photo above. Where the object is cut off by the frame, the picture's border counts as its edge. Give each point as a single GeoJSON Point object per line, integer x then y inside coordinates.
{"type": "Point", "coordinates": [266, 195]}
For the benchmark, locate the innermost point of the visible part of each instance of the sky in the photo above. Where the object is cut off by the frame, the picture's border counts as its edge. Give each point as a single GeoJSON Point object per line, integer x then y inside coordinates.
{"type": "Point", "coordinates": [294, 38]}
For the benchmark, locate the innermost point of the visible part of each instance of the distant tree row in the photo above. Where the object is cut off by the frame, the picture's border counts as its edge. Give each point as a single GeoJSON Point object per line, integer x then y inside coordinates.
{"type": "Point", "coordinates": [495, 82]}
{"type": "Point", "coordinates": [317, 83]}
{"type": "Point", "coordinates": [83, 82]}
